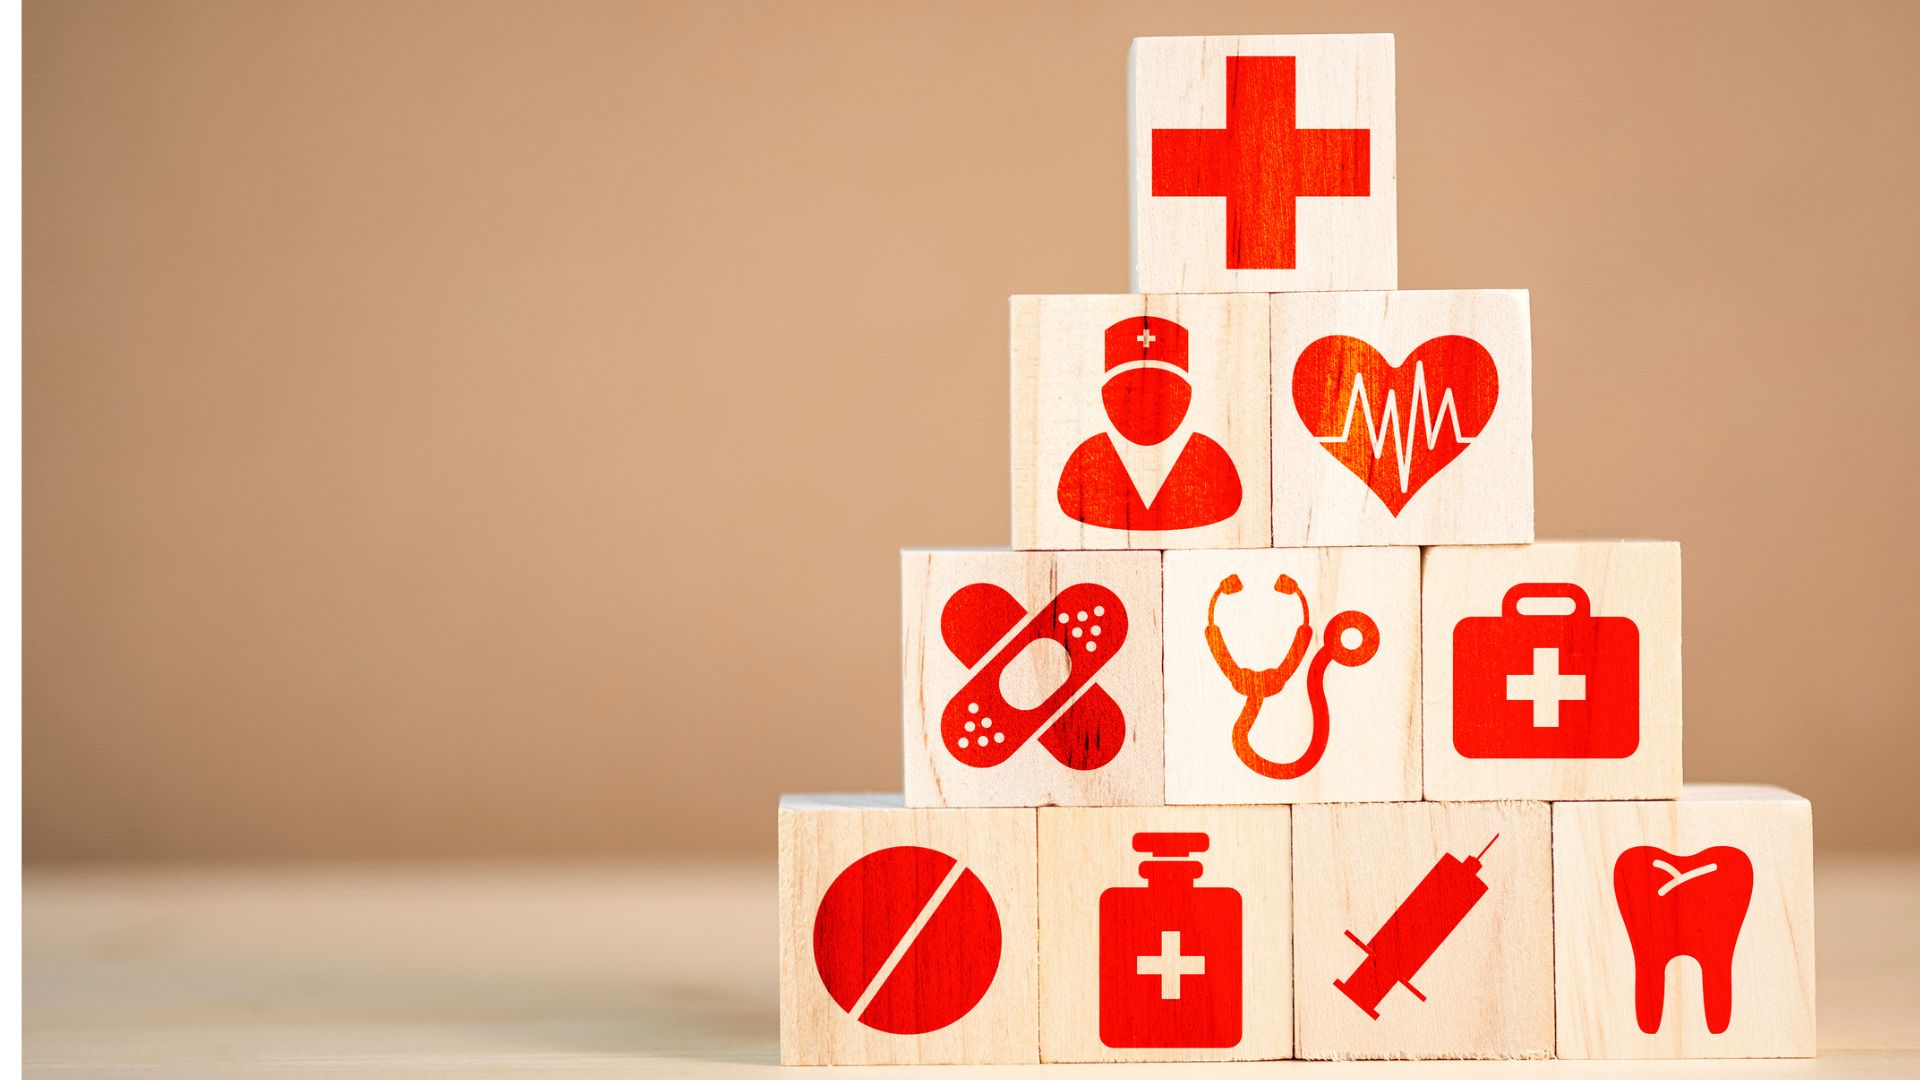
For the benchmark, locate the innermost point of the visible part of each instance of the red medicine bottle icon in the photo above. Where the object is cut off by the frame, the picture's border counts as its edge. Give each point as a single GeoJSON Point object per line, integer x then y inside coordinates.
{"type": "Point", "coordinates": [1170, 953]}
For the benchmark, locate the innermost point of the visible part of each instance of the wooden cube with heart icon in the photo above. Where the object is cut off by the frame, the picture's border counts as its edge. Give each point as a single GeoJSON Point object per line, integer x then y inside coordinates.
{"type": "Point", "coordinates": [1031, 678]}
{"type": "Point", "coordinates": [1685, 928]}
{"type": "Point", "coordinates": [1402, 418]}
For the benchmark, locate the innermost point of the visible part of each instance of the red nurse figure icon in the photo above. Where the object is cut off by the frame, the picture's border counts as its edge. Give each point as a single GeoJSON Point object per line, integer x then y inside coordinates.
{"type": "Point", "coordinates": [1146, 394]}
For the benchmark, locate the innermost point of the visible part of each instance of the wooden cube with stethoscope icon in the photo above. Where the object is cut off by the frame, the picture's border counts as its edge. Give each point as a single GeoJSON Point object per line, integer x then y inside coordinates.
{"type": "Point", "coordinates": [1292, 675]}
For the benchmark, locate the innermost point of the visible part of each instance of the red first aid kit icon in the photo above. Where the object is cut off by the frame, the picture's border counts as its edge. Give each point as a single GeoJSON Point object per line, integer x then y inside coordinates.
{"type": "Point", "coordinates": [1546, 686]}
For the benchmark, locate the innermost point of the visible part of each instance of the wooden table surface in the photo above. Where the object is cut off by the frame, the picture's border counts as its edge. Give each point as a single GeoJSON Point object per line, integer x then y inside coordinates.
{"type": "Point", "coordinates": [625, 969]}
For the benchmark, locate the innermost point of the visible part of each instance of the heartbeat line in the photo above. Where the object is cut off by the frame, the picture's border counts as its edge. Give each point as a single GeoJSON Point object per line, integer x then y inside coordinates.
{"type": "Point", "coordinates": [1402, 441]}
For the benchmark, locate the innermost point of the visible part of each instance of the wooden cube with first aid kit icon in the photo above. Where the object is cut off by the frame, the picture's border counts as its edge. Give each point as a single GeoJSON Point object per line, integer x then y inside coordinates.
{"type": "Point", "coordinates": [1293, 675]}
{"type": "Point", "coordinates": [1552, 671]}
{"type": "Point", "coordinates": [1423, 930]}
{"type": "Point", "coordinates": [1140, 422]}
{"type": "Point", "coordinates": [1685, 929]}
{"type": "Point", "coordinates": [1031, 678]}
{"type": "Point", "coordinates": [1402, 418]}
{"type": "Point", "coordinates": [1165, 934]}
{"type": "Point", "coordinates": [1263, 163]}
{"type": "Point", "coordinates": [907, 937]}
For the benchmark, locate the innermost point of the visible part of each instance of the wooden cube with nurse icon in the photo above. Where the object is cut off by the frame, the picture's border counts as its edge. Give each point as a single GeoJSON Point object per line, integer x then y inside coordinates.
{"type": "Point", "coordinates": [1140, 422]}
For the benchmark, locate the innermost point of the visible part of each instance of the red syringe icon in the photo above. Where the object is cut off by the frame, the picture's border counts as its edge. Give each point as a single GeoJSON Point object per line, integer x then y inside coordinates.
{"type": "Point", "coordinates": [1414, 930]}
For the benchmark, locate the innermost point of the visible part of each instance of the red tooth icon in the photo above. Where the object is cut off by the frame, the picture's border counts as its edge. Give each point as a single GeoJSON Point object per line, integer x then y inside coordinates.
{"type": "Point", "coordinates": [1683, 905]}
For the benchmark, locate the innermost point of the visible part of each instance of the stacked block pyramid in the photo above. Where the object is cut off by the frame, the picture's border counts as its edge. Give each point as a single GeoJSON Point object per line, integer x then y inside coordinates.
{"type": "Point", "coordinates": [1276, 733]}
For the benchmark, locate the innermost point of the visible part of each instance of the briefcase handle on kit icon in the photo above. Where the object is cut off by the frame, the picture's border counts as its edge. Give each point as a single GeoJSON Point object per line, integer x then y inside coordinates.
{"type": "Point", "coordinates": [1258, 686]}
{"type": "Point", "coordinates": [1539, 590]}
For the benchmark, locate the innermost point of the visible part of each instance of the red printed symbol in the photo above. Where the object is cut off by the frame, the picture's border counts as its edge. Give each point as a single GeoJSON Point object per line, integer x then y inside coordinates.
{"type": "Point", "coordinates": [1384, 423]}
{"type": "Point", "coordinates": [906, 940]}
{"type": "Point", "coordinates": [1546, 686]}
{"type": "Point", "coordinates": [1260, 162]}
{"type": "Point", "coordinates": [1414, 931]}
{"type": "Point", "coordinates": [1170, 953]}
{"type": "Point", "coordinates": [1081, 730]}
{"type": "Point", "coordinates": [1258, 686]}
{"type": "Point", "coordinates": [1146, 394]}
{"type": "Point", "coordinates": [1683, 905]}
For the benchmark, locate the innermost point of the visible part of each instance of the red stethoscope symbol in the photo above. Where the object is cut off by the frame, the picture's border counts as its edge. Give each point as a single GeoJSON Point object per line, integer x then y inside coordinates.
{"type": "Point", "coordinates": [1259, 685]}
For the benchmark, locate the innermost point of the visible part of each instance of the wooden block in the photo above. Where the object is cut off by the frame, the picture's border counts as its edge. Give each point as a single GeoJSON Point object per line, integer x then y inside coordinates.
{"type": "Point", "coordinates": [1471, 930]}
{"type": "Point", "coordinates": [1262, 164]}
{"type": "Point", "coordinates": [1552, 671]}
{"type": "Point", "coordinates": [1402, 418]}
{"type": "Point", "coordinates": [1735, 865]}
{"type": "Point", "coordinates": [906, 936]}
{"type": "Point", "coordinates": [1139, 962]}
{"type": "Point", "coordinates": [1031, 678]}
{"type": "Point", "coordinates": [1140, 422]}
{"type": "Point", "coordinates": [1257, 739]}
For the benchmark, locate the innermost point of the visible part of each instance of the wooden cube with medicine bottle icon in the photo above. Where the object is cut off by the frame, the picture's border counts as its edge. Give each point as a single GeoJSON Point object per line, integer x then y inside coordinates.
{"type": "Point", "coordinates": [1423, 930]}
{"type": "Point", "coordinates": [907, 936]}
{"type": "Point", "coordinates": [1165, 933]}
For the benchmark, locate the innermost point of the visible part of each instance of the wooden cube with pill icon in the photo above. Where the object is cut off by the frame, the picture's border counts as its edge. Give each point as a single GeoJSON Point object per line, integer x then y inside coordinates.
{"type": "Point", "coordinates": [1402, 418]}
{"type": "Point", "coordinates": [1165, 933]}
{"type": "Point", "coordinates": [907, 936]}
{"type": "Point", "coordinates": [1031, 678]}
{"type": "Point", "coordinates": [1263, 163]}
{"type": "Point", "coordinates": [1293, 675]}
{"type": "Point", "coordinates": [1140, 422]}
{"type": "Point", "coordinates": [1552, 670]}
{"type": "Point", "coordinates": [1423, 930]}
{"type": "Point", "coordinates": [1685, 928]}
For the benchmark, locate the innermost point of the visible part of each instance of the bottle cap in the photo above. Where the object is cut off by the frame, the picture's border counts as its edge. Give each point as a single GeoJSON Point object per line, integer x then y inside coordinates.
{"type": "Point", "coordinates": [1169, 845]}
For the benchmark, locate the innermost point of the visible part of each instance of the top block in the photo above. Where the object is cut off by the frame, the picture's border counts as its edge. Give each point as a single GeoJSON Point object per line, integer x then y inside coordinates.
{"type": "Point", "coordinates": [1263, 164]}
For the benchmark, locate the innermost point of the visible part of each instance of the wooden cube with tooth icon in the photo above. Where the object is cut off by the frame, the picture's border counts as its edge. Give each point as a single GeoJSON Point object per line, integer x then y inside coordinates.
{"type": "Point", "coordinates": [1685, 928]}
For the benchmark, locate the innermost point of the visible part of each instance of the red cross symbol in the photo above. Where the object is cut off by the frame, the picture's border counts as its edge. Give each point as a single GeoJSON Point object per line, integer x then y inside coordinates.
{"type": "Point", "coordinates": [1260, 162]}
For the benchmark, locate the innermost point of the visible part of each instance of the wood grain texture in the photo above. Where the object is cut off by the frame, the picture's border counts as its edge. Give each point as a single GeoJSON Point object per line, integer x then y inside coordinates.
{"type": "Point", "coordinates": [1058, 348]}
{"type": "Point", "coordinates": [1086, 851]}
{"type": "Point", "coordinates": [1483, 496]}
{"type": "Point", "coordinates": [1342, 81]}
{"type": "Point", "coordinates": [931, 675]}
{"type": "Point", "coordinates": [1489, 984]}
{"type": "Point", "coordinates": [820, 837]}
{"type": "Point", "coordinates": [1372, 743]}
{"type": "Point", "coordinates": [1773, 960]}
{"type": "Point", "coordinates": [1634, 579]}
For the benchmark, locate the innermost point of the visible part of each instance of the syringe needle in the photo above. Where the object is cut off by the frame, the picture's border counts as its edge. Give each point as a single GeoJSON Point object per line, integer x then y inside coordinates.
{"type": "Point", "coordinates": [1483, 851]}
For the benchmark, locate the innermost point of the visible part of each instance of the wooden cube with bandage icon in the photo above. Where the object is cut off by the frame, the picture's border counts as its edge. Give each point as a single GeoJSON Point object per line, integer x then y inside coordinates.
{"type": "Point", "coordinates": [1031, 678]}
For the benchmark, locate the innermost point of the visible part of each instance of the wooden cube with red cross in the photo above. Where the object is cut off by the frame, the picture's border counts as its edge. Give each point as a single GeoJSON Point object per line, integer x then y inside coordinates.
{"type": "Point", "coordinates": [1263, 164]}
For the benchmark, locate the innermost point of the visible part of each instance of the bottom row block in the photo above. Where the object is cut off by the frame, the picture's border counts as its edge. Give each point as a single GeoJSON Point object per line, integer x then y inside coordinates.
{"type": "Point", "coordinates": [1334, 930]}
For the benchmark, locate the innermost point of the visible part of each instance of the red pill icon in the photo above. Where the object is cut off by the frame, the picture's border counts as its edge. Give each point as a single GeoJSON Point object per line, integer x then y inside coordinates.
{"type": "Point", "coordinates": [907, 940]}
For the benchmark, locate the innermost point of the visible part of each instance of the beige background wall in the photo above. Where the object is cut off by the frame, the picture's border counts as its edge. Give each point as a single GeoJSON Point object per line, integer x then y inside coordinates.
{"type": "Point", "coordinates": [478, 427]}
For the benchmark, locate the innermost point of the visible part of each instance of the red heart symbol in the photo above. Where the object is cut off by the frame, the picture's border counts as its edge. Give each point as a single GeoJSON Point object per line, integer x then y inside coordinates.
{"type": "Point", "coordinates": [1395, 427]}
